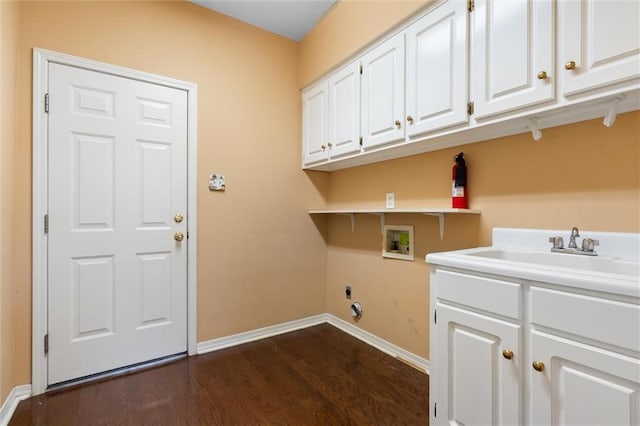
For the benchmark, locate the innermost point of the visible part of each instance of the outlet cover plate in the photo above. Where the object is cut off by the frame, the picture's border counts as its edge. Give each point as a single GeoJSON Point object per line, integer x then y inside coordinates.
{"type": "Point", "coordinates": [391, 200]}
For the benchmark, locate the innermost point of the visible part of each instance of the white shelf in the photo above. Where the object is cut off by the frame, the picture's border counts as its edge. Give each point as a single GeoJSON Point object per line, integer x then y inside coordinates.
{"type": "Point", "coordinates": [439, 213]}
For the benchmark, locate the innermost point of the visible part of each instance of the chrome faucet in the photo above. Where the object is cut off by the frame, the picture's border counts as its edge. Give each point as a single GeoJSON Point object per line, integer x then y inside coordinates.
{"type": "Point", "coordinates": [572, 239]}
{"type": "Point", "coordinates": [588, 244]}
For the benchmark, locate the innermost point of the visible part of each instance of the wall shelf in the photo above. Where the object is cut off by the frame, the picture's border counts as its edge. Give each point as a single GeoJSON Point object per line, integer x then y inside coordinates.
{"type": "Point", "coordinates": [439, 213]}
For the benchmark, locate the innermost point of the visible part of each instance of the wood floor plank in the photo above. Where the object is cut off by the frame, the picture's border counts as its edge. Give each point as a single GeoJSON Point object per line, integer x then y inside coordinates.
{"type": "Point", "coordinates": [315, 376]}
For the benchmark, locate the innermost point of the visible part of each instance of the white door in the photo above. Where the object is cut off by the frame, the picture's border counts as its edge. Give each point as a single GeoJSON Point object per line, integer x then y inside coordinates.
{"type": "Point", "coordinates": [383, 93]}
{"type": "Point", "coordinates": [478, 381]}
{"type": "Point", "coordinates": [582, 385]}
{"type": "Point", "coordinates": [511, 55]}
{"type": "Point", "coordinates": [437, 69]}
{"type": "Point", "coordinates": [117, 181]}
{"type": "Point", "coordinates": [315, 123]}
{"type": "Point", "coordinates": [344, 111]}
{"type": "Point", "coordinates": [599, 43]}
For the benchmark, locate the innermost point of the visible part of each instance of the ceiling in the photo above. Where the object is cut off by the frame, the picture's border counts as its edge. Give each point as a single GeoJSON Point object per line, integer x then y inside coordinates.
{"type": "Point", "coordinates": [292, 19]}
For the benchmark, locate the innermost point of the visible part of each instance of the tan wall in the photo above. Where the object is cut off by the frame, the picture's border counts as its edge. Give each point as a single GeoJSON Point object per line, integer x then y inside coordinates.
{"type": "Point", "coordinates": [583, 174]}
{"type": "Point", "coordinates": [9, 19]}
{"type": "Point", "coordinates": [261, 259]}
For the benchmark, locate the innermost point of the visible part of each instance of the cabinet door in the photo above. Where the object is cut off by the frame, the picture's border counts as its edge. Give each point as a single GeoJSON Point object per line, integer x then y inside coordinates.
{"type": "Point", "coordinates": [383, 93]}
{"type": "Point", "coordinates": [315, 123]}
{"type": "Point", "coordinates": [512, 42]}
{"type": "Point", "coordinates": [437, 69]}
{"type": "Point", "coordinates": [475, 382]}
{"type": "Point", "coordinates": [602, 38]}
{"type": "Point", "coordinates": [344, 111]}
{"type": "Point", "coordinates": [582, 384]}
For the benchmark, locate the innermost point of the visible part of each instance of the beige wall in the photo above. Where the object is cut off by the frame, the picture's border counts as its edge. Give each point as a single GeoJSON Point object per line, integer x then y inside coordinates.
{"type": "Point", "coordinates": [9, 18]}
{"type": "Point", "coordinates": [583, 174]}
{"type": "Point", "coordinates": [261, 258]}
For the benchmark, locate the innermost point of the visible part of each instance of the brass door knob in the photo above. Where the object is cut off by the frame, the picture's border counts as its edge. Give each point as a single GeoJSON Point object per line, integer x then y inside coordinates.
{"type": "Point", "coordinates": [178, 236]}
{"type": "Point", "coordinates": [507, 354]}
{"type": "Point", "coordinates": [409, 119]}
{"type": "Point", "coordinates": [178, 218]}
{"type": "Point", "coordinates": [538, 365]}
{"type": "Point", "coordinates": [398, 124]}
{"type": "Point", "coordinates": [571, 65]}
{"type": "Point", "coordinates": [542, 75]}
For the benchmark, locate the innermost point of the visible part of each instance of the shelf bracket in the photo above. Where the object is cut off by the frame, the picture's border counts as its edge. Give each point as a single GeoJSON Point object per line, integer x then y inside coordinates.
{"type": "Point", "coordinates": [381, 215]}
{"type": "Point", "coordinates": [440, 217]}
{"type": "Point", "coordinates": [535, 130]}
{"type": "Point", "coordinates": [610, 118]}
{"type": "Point", "coordinates": [353, 220]}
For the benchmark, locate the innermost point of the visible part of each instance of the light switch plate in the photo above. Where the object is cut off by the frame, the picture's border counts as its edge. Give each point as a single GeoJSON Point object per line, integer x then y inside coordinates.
{"type": "Point", "coordinates": [216, 182]}
{"type": "Point", "coordinates": [391, 200]}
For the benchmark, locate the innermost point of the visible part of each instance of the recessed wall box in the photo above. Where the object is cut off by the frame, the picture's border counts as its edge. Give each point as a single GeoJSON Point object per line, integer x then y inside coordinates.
{"type": "Point", "coordinates": [397, 242]}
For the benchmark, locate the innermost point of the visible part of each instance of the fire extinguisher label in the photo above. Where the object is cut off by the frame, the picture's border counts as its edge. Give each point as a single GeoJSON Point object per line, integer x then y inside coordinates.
{"type": "Point", "coordinates": [457, 191]}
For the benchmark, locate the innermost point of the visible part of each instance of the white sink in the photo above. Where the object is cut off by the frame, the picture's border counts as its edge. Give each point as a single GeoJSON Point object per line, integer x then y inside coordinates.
{"type": "Point", "coordinates": [599, 264]}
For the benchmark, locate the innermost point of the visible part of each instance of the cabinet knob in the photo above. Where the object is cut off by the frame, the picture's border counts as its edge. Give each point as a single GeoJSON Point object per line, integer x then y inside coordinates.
{"type": "Point", "coordinates": [329, 145]}
{"type": "Point", "coordinates": [538, 365]}
{"type": "Point", "coordinates": [542, 75]}
{"type": "Point", "coordinates": [507, 354]}
{"type": "Point", "coordinates": [410, 119]}
{"type": "Point", "coordinates": [571, 65]}
{"type": "Point", "coordinates": [398, 124]}
{"type": "Point", "coordinates": [323, 147]}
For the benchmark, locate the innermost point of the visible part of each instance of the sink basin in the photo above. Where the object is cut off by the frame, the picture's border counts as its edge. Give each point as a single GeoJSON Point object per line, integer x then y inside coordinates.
{"type": "Point", "coordinates": [599, 264]}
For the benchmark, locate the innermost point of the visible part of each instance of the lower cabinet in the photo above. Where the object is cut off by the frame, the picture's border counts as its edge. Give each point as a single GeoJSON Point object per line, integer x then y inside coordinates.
{"type": "Point", "coordinates": [511, 352]}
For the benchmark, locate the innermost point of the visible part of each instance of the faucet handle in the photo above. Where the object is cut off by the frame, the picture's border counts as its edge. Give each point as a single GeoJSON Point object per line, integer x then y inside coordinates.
{"type": "Point", "coordinates": [588, 244]}
{"type": "Point", "coordinates": [557, 242]}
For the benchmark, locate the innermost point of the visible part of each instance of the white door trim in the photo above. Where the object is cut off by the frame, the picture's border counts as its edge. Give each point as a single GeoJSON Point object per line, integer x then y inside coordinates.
{"type": "Point", "coordinates": [41, 60]}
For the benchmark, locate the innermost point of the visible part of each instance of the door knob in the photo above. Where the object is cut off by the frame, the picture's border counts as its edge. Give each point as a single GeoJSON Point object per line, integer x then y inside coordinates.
{"type": "Point", "coordinates": [178, 236]}
{"type": "Point", "coordinates": [538, 365]}
{"type": "Point", "coordinates": [178, 218]}
{"type": "Point", "coordinates": [570, 65]}
{"type": "Point", "coordinates": [507, 354]}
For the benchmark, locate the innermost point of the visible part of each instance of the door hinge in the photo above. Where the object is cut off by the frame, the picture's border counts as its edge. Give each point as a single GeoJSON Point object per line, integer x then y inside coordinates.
{"type": "Point", "coordinates": [471, 5]}
{"type": "Point", "coordinates": [435, 316]}
{"type": "Point", "coordinates": [46, 223]}
{"type": "Point", "coordinates": [46, 344]}
{"type": "Point", "coordinates": [470, 108]}
{"type": "Point", "coordinates": [360, 69]}
{"type": "Point", "coordinates": [46, 102]}
{"type": "Point", "coordinates": [435, 409]}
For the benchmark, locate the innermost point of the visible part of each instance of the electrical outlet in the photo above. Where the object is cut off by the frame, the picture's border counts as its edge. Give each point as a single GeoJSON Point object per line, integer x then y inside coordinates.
{"type": "Point", "coordinates": [391, 200]}
{"type": "Point", "coordinates": [347, 292]}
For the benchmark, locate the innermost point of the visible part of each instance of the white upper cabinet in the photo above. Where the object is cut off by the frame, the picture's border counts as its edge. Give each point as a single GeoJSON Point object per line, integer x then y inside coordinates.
{"type": "Point", "coordinates": [512, 53]}
{"type": "Point", "coordinates": [315, 123]}
{"type": "Point", "coordinates": [383, 93]}
{"type": "Point", "coordinates": [344, 111]}
{"type": "Point", "coordinates": [437, 69]}
{"type": "Point", "coordinates": [599, 43]}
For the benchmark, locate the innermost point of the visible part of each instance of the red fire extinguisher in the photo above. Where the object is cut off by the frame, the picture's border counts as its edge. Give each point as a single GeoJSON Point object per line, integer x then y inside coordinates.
{"type": "Point", "coordinates": [459, 191]}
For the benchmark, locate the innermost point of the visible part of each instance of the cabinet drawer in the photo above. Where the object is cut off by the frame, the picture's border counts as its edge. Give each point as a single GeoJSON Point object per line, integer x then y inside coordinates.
{"type": "Point", "coordinates": [607, 321]}
{"type": "Point", "coordinates": [487, 294]}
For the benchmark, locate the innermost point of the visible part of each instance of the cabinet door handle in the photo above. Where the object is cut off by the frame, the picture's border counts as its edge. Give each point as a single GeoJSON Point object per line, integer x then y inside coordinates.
{"type": "Point", "coordinates": [507, 354]}
{"type": "Point", "coordinates": [410, 119]}
{"type": "Point", "coordinates": [571, 65]}
{"type": "Point", "coordinates": [538, 365]}
{"type": "Point", "coordinates": [329, 145]}
{"type": "Point", "coordinates": [542, 75]}
{"type": "Point", "coordinates": [398, 124]}
{"type": "Point", "coordinates": [323, 147]}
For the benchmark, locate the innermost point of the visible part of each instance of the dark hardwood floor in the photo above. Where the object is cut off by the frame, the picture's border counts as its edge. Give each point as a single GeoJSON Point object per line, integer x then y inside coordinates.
{"type": "Point", "coordinates": [317, 375]}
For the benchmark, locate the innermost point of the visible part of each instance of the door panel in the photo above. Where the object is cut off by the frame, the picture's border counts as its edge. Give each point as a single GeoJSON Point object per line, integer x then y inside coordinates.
{"type": "Point", "coordinates": [117, 175]}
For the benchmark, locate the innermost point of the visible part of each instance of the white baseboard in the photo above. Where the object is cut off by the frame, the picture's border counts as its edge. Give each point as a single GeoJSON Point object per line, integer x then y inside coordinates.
{"type": "Point", "coordinates": [371, 339]}
{"type": "Point", "coordinates": [380, 344]}
{"type": "Point", "coordinates": [16, 395]}
{"type": "Point", "coordinates": [261, 333]}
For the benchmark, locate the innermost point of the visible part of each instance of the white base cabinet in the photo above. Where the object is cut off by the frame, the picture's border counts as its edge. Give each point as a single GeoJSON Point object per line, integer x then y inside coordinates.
{"type": "Point", "coordinates": [507, 351]}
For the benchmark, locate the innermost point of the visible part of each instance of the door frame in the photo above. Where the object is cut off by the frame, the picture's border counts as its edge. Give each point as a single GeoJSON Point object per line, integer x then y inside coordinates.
{"type": "Point", "coordinates": [41, 60]}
